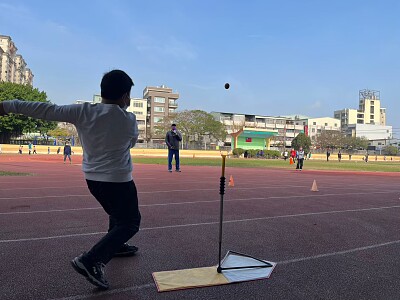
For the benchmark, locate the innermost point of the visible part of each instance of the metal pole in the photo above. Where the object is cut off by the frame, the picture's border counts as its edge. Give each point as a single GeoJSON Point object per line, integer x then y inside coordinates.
{"type": "Point", "coordinates": [221, 210]}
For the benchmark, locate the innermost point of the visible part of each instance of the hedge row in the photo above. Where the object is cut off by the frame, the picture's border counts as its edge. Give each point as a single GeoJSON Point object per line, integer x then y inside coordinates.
{"type": "Point", "coordinates": [237, 152]}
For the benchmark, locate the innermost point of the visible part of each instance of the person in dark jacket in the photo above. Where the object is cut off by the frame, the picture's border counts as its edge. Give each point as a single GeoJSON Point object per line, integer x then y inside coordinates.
{"type": "Point", "coordinates": [67, 152]}
{"type": "Point", "coordinates": [172, 139]}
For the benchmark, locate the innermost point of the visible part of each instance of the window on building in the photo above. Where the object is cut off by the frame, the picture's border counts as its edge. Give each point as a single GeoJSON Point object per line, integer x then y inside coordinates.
{"type": "Point", "coordinates": [326, 124]}
{"type": "Point", "coordinates": [335, 124]}
{"type": "Point", "coordinates": [141, 122]}
{"type": "Point", "coordinates": [159, 109]}
{"type": "Point", "coordinates": [137, 104]}
{"type": "Point", "coordinates": [171, 110]}
{"type": "Point", "coordinates": [159, 99]}
{"type": "Point", "coordinates": [313, 130]}
{"type": "Point", "coordinates": [314, 123]}
{"type": "Point", "coordinates": [172, 102]}
{"type": "Point", "coordinates": [138, 112]}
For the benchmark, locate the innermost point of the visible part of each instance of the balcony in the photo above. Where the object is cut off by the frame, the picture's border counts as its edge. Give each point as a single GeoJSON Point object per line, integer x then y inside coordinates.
{"type": "Point", "coordinates": [172, 103]}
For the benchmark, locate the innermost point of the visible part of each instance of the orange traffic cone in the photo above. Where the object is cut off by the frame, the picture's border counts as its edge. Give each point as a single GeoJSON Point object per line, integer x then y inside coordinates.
{"type": "Point", "coordinates": [314, 187]}
{"type": "Point", "coordinates": [291, 161]}
{"type": "Point", "coordinates": [231, 183]}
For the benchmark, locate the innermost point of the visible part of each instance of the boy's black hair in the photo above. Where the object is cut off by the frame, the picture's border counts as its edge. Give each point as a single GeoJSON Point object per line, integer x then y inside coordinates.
{"type": "Point", "coordinates": [173, 125]}
{"type": "Point", "coordinates": [115, 84]}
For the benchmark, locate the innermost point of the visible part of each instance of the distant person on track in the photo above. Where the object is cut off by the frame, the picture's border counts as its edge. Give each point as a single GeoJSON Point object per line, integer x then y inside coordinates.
{"type": "Point", "coordinates": [29, 148]}
{"type": "Point", "coordinates": [48, 150]}
{"type": "Point", "coordinates": [293, 155]}
{"type": "Point", "coordinates": [107, 169]}
{"type": "Point", "coordinates": [67, 153]}
{"type": "Point", "coordinates": [300, 159]}
{"type": "Point", "coordinates": [339, 156]}
{"type": "Point", "coordinates": [58, 150]}
{"type": "Point", "coordinates": [20, 149]}
{"type": "Point", "coordinates": [34, 150]}
{"type": "Point", "coordinates": [172, 139]}
{"type": "Point", "coordinates": [328, 154]}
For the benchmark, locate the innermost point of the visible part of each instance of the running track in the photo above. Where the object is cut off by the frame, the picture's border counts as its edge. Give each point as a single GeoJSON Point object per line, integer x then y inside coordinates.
{"type": "Point", "coordinates": [342, 242]}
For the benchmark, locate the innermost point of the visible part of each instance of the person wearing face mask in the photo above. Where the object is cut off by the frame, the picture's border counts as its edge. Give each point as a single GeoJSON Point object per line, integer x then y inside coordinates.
{"type": "Point", "coordinates": [172, 139]}
{"type": "Point", "coordinates": [107, 169]}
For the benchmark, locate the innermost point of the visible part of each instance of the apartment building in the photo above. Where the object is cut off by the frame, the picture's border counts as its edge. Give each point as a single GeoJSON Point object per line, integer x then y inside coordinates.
{"type": "Point", "coordinates": [12, 65]}
{"type": "Point", "coordinates": [346, 116]}
{"type": "Point", "coordinates": [161, 103]}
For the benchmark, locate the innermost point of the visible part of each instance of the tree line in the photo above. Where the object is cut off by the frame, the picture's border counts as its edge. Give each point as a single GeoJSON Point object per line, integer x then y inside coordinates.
{"type": "Point", "coordinates": [13, 125]}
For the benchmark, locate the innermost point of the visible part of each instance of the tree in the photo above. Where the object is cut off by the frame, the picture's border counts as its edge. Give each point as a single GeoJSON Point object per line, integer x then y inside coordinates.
{"type": "Point", "coordinates": [14, 125]}
{"type": "Point", "coordinates": [331, 139]}
{"type": "Point", "coordinates": [301, 140]}
{"type": "Point", "coordinates": [59, 132]}
{"type": "Point", "coordinates": [391, 150]}
{"type": "Point", "coordinates": [43, 127]}
{"type": "Point", "coordinates": [194, 125]}
{"type": "Point", "coordinates": [354, 143]}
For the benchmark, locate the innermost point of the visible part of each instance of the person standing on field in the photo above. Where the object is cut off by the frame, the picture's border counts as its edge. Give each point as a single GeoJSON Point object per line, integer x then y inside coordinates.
{"type": "Point", "coordinates": [172, 139]}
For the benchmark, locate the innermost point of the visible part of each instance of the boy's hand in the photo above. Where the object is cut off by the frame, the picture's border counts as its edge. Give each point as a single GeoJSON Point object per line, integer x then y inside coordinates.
{"type": "Point", "coordinates": [2, 111]}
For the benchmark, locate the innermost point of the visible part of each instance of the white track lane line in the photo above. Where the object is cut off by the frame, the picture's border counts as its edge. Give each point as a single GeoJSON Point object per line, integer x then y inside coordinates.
{"type": "Point", "coordinates": [208, 223]}
{"type": "Point", "coordinates": [197, 202]}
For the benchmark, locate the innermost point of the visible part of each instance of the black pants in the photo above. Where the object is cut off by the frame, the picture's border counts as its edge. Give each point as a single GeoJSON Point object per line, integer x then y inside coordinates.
{"type": "Point", "coordinates": [119, 200]}
{"type": "Point", "coordinates": [300, 163]}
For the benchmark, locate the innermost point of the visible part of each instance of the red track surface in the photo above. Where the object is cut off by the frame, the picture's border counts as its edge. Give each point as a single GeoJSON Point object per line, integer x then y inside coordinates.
{"type": "Point", "coordinates": [342, 242]}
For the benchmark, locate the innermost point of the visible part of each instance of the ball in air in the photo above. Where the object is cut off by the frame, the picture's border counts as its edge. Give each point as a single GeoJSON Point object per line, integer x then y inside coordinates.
{"type": "Point", "coordinates": [227, 86]}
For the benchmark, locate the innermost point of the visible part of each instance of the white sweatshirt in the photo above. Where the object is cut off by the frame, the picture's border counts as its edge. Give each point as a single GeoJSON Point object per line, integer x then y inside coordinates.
{"type": "Point", "coordinates": [106, 131]}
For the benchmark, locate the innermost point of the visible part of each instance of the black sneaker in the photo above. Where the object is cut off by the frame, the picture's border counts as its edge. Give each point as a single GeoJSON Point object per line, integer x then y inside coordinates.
{"type": "Point", "coordinates": [170, 171]}
{"type": "Point", "coordinates": [178, 171]}
{"type": "Point", "coordinates": [126, 250]}
{"type": "Point", "coordinates": [94, 273]}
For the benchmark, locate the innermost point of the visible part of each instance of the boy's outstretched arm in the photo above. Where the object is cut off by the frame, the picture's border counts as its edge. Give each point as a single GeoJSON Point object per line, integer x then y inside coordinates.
{"type": "Point", "coordinates": [42, 110]}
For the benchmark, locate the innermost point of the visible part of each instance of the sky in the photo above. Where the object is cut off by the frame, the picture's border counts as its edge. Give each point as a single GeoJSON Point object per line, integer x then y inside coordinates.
{"type": "Point", "coordinates": [307, 57]}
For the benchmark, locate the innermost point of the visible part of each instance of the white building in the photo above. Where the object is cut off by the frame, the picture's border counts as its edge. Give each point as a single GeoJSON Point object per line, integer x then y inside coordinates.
{"type": "Point", "coordinates": [138, 106]}
{"type": "Point", "coordinates": [313, 127]}
{"type": "Point", "coordinates": [286, 127]}
{"type": "Point", "coordinates": [377, 135]}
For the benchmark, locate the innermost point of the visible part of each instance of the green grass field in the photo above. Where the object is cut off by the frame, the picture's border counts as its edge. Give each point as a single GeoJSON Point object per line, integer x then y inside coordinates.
{"type": "Point", "coordinates": [7, 173]}
{"type": "Point", "coordinates": [371, 166]}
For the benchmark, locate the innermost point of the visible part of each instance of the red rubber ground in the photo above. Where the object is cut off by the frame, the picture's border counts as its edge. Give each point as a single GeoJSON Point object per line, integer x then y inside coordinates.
{"type": "Point", "coordinates": [342, 242]}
